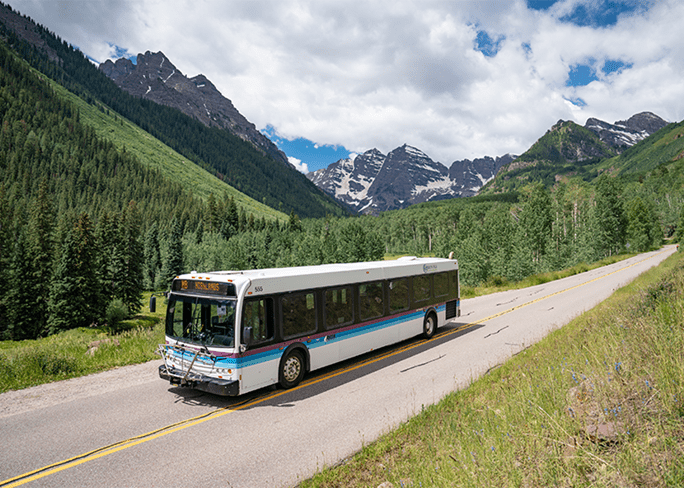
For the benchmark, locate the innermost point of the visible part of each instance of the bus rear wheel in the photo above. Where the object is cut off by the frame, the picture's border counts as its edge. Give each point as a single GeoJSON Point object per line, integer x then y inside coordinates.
{"type": "Point", "coordinates": [291, 370]}
{"type": "Point", "coordinates": [429, 325]}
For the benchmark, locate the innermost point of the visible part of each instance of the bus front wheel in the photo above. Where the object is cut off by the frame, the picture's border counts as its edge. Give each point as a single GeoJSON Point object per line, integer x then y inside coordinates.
{"type": "Point", "coordinates": [429, 325]}
{"type": "Point", "coordinates": [291, 369]}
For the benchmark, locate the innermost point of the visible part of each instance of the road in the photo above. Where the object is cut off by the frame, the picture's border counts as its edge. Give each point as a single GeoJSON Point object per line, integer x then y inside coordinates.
{"type": "Point", "coordinates": [127, 427]}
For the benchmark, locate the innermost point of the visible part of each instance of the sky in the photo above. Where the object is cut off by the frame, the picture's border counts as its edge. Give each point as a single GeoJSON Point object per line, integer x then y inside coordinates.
{"type": "Point", "coordinates": [457, 79]}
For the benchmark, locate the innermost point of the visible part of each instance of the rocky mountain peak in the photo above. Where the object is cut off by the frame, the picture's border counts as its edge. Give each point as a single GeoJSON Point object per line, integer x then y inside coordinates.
{"type": "Point", "coordinates": [625, 133]}
{"type": "Point", "coordinates": [155, 78]}
{"type": "Point", "coordinates": [374, 182]}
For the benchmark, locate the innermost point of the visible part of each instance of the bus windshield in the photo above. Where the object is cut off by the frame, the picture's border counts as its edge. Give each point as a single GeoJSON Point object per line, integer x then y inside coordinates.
{"type": "Point", "coordinates": [203, 321]}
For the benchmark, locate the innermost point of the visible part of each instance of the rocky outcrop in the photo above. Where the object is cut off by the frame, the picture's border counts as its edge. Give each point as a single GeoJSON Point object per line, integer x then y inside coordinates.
{"type": "Point", "coordinates": [155, 78]}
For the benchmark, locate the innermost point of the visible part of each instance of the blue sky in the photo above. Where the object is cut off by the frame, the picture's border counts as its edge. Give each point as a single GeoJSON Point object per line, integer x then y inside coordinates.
{"type": "Point", "coordinates": [326, 79]}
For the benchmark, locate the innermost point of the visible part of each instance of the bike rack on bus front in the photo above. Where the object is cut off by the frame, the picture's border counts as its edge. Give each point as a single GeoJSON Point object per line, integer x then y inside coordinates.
{"type": "Point", "coordinates": [181, 374]}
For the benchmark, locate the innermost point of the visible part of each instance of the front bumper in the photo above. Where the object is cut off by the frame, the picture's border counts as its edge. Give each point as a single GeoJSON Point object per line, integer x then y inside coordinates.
{"type": "Point", "coordinates": [216, 386]}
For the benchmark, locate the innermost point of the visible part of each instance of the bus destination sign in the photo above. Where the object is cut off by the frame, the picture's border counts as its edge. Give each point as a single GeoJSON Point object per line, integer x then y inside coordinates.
{"type": "Point", "coordinates": [204, 287]}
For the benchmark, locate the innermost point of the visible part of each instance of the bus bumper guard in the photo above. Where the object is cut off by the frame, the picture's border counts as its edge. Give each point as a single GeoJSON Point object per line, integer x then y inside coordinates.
{"type": "Point", "coordinates": [217, 386]}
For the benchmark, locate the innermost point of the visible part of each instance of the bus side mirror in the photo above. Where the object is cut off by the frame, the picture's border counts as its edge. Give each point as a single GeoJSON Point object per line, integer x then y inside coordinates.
{"type": "Point", "coordinates": [247, 336]}
{"type": "Point", "coordinates": [153, 304]}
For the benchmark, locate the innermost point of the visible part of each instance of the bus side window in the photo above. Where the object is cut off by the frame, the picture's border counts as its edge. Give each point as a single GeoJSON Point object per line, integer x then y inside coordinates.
{"type": "Point", "coordinates": [421, 288]}
{"type": "Point", "coordinates": [371, 300]}
{"type": "Point", "coordinates": [338, 307]}
{"type": "Point", "coordinates": [398, 295]}
{"type": "Point", "coordinates": [441, 284]}
{"type": "Point", "coordinates": [454, 284]}
{"type": "Point", "coordinates": [299, 314]}
{"type": "Point", "coordinates": [258, 314]}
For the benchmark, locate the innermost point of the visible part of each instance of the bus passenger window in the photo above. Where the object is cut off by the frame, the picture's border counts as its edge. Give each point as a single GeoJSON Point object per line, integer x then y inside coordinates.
{"type": "Point", "coordinates": [398, 295]}
{"type": "Point", "coordinates": [338, 307]}
{"type": "Point", "coordinates": [370, 301]}
{"type": "Point", "coordinates": [258, 314]}
{"type": "Point", "coordinates": [299, 314]}
{"type": "Point", "coordinates": [421, 288]}
{"type": "Point", "coordinates": [441, 284]}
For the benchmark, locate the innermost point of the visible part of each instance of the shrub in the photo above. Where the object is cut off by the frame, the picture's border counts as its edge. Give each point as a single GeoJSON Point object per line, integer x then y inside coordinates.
{"type": "Point", "coordinates": [116, 312]}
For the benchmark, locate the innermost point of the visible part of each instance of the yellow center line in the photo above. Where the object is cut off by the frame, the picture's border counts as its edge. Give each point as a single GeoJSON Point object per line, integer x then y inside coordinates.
{"type": "Point", "coordinates": [169, 429]}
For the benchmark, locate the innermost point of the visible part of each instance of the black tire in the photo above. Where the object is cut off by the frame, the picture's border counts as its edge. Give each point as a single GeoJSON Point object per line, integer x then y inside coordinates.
{"type": "Point", "coordinates": [291, 370]}
{"type": "Point", "coordinates": [429, 325]}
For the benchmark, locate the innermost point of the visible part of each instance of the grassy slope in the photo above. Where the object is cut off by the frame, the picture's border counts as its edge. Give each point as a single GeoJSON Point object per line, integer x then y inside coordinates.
{"type": "Point", "coordinates": [664, 146]}
{"type": "Point", "coordinates": [525, 424]}
{"type": "Point", "coordinates": [153, 153]}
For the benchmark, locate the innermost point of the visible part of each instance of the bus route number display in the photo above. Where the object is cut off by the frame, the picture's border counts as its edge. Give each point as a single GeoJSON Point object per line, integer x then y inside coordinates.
{"type": "Point", "coordinates": [204, 287]}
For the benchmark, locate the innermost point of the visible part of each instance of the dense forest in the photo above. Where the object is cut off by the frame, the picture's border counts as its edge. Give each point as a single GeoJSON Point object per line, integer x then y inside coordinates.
{"type": "Point", "coordinates": [85, 228]}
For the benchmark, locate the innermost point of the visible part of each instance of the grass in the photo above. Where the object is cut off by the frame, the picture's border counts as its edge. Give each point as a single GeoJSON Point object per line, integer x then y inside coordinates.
{"type": "Point", "coordinates": [65, 355]}
{"type": "Point", "coordinates": [496, 284]}
{"type": "Point", "coordinates": [154, 154]}
{"type": "Point", "coordinates": [599, 402]}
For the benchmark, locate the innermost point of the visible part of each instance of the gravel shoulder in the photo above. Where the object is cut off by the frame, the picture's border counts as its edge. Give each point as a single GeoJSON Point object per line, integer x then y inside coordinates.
{"type": "Point", "coordinates": [43, 396]}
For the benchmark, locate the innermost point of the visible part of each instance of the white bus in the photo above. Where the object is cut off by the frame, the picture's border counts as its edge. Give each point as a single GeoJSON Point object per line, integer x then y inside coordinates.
{"type": "Point", "coordinates": [231, 332]}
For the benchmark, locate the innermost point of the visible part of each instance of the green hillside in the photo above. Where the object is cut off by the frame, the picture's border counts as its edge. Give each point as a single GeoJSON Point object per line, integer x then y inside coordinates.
{"type": "Point", "coordinates": [156, 155]}
{"type": "Point", "coordinates": [664, 146]}
{"type": "Point", "coordinates": [218, 151]}
{"type": "Point", "coordinates": [566, 150]}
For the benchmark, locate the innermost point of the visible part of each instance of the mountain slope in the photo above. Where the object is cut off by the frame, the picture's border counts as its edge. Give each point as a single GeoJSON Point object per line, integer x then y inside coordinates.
{"type": "Point", "coordinates": [223, 154]}
{"type": "Point", "coordinates": [666, 145]}
{"type": "Point", "coordinates": [155, 78]}
{"type": "Point", "coordinates": [565, 149]}
{"type": "Point", "coordinates": [155, 155]}
{"type": "Point", "coordinates": [569, 150]}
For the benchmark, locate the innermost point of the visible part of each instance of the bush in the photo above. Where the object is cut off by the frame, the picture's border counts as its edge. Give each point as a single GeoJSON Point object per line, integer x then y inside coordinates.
{"type": "Point", "coordinates": [116, 312]}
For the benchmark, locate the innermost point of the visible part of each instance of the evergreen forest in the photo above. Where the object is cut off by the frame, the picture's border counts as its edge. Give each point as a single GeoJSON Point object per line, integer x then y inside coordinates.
{"type": "Point", "coordinates": [85, 228]}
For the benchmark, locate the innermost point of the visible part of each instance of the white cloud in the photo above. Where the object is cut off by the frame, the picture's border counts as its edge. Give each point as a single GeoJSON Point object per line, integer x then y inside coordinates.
{"type": "Point", "coordinates": [297, 163]}
{"type": "Point", "coordinates": [380, 74]}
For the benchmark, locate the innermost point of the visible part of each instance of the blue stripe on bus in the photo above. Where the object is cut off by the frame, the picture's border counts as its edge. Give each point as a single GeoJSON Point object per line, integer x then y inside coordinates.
{"type": "Point", "coordinates": [271, 353]}
{"type": "Point", "coordinates": [318, 340]}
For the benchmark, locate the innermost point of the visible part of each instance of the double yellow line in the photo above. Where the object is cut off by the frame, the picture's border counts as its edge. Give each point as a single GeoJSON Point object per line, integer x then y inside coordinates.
{"type": "Point", "coordinates": [184, 424]}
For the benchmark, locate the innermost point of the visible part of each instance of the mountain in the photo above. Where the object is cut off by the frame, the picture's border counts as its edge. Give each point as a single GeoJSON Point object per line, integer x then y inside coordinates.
{"type": "Point", "coordinates": [348, 180]}
{"type": "Point", "coordinates": [470, 176]}
{"type": "Point", "coordinates": [570, 150]}
{"type": "Point", "coordinates": [625, 133]}
{"type": "Point", "coordinates": [374, 182]}
{"type": "Point", "coordinates": [226, 156]}
{"type": "Point", "coordinates": [154, 77]}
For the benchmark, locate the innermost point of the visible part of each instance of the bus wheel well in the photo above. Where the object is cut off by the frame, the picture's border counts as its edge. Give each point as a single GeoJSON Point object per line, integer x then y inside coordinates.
{"type": "Point", "coordinates": [294, 363]}
{"type": "Point", "coordinates": [430, 324]}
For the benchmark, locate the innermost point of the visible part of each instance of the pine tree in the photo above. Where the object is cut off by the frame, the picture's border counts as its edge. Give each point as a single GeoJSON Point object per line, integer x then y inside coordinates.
{"type": "Point", "coordinates": [643, 229]}
{"type": "Point", "coordinates": [76, 299]}
{"type": "Point", "coordinates": [535, 221]}
{"type": "Point", "coordinates": [173, 264]}
{"type": "Point", "coordinates": [152, 264]}
{"type": "Point", "coordinates": [127, 261]}
{"type": "Point", "coordinates": [41, 252]}
{"type": "Point", "coordinates": [21, 321]}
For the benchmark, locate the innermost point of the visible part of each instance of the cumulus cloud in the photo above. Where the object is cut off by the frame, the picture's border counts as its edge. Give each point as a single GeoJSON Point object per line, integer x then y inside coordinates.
{"type": "Point", "coordinates": [297, 163]}
{"type": "Point", "coordinates": [456, 79]}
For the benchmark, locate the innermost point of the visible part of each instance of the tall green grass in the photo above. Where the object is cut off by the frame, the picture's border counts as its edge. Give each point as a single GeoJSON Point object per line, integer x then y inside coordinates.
{"type": "Point", "coordinates": [533, 421]}
{"type": "Point", "coordinates": [65, 355]}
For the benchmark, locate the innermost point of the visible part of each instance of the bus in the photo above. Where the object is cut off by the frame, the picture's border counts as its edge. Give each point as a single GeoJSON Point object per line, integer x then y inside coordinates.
{"type": "Point", "coordinates": [232, 332]}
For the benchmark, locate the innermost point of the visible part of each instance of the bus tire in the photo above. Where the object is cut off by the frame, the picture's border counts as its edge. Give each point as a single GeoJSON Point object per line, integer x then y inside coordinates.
{"type": "Point", "coordinates": [429, 325]}
{"type": "Point", "coordinates": [291, 370]}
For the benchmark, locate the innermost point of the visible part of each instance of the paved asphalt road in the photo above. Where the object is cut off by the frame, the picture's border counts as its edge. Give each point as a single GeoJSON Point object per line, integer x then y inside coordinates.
{"type": "Point", "coordinates": [129, 428]}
